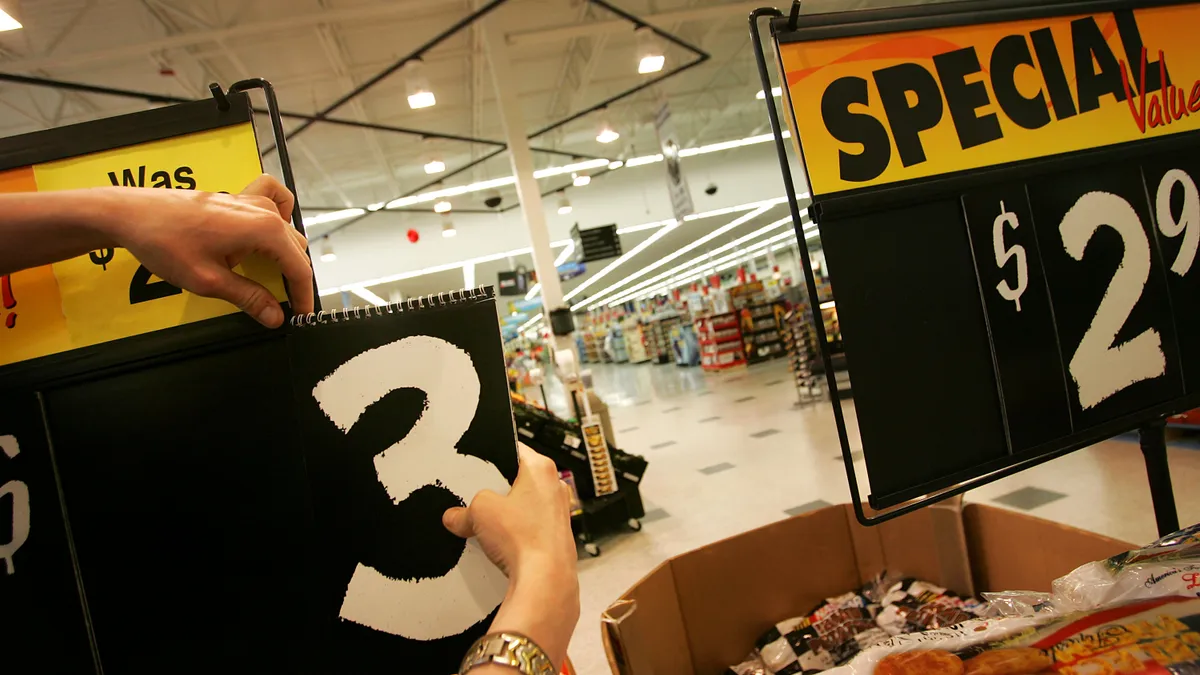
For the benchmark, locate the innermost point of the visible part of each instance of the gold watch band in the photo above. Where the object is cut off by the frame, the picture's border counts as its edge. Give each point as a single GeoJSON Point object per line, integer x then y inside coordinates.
{"type": "Point", "coordinates": [507, 649]}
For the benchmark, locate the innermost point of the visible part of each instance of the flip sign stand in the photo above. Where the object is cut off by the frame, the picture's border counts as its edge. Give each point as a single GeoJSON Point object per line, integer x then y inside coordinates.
{"type": "Point", "coordinates": [1007, 198]}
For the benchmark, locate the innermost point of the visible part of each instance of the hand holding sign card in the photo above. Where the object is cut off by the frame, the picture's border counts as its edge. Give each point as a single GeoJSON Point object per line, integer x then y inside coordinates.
{"type": "Point", "coordinates": [406, 414]}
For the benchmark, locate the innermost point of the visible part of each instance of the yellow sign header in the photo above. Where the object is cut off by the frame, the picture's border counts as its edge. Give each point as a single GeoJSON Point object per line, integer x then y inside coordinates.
{"type": "Point", "coordinates": [878, 109]}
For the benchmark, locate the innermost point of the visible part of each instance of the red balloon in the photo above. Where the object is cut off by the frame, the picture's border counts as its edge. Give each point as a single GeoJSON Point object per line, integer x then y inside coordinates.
{"type": "Point", "coordinates": [414, 236]}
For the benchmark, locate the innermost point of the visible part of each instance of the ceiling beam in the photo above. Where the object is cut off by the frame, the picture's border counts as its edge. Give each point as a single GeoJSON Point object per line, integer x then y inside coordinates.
{"type": "Point", "coordinates": [289, 22]}
{"type": "Point", "coordinates": [558, 34]}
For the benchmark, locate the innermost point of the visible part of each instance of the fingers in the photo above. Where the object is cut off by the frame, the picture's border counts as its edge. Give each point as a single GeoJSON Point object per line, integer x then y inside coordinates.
{"type": "Point", "coordinates": [280, 245]}
{"type": "Point", "coordinates": [266, 186]}
{"type": "Point", "coordinates": [458, 521]}
{"type": "Point", "coordinates": [535, 467]}
{"type": "Point", "coordinates": [250, 296]}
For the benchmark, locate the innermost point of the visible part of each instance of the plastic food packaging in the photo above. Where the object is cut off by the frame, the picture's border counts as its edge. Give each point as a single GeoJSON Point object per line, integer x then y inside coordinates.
{"type": "Point", "coordinates": [1169, 566]}
{"type": "Point", "coordinates": [1159, 636]}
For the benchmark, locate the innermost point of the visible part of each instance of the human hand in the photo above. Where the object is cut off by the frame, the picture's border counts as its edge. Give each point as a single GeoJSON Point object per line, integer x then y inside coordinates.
{"type": "Point", "coordinates": [527, 530]}
{"type": "Point", "coordinates": [528, 535]}
{"type": "Point", "coordinates": [194, 240]}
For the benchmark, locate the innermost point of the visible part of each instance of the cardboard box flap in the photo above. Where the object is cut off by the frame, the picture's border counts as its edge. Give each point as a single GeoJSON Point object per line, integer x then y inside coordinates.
{"type": "Point", "coordinates": [929, 544]}
{"type": "Point", "coordinates": [1012, 551]}
{"type": "Point", "coordinates": [643, 632]}
{"type": "Point", "coordinates": [733, 591]}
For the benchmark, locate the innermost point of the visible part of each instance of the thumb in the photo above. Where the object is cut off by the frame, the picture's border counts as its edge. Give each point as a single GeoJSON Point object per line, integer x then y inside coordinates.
{"type": "Point", "coordinates": [250, 296]}
{"type": "Point", "coordinates": [458, 521]}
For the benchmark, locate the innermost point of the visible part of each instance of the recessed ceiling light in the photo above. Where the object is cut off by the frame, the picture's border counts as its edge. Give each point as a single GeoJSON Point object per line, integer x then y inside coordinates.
{"type": "Point", "coordinates": [442, 206]}
{"type": "Point", "coordinates": [435, 166]}
{"type": "Point", "coordinates": [564, 206]}
{"type": "Point", "coordinates": [650, 53]}
{"type": "Point", "coordinates": [607, 135]}
{"type": "Point", "coordinates": [448, 230]}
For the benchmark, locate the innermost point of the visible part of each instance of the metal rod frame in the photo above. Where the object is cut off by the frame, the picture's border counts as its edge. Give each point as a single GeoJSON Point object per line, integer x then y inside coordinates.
{"type": "Point", "coordinates": [700, 54]}
{"type": "Point", "coordinates": [166, 98]}
{"type": "Point", "coordinates": [1151, 435]}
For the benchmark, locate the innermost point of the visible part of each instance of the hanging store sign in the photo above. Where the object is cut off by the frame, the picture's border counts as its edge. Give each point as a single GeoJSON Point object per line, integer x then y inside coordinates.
{"type": "Point", "coordinates": [881, 108]}
{"type": "Point", "coordinates": [1047, 159]}
{"type": "Point", "coordinates": [597, 243]}
{"type": "Point", "coordinates": [677, 185]}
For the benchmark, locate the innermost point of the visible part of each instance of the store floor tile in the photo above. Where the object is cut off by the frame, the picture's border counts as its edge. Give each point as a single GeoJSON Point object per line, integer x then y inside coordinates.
{"type": "Point", "coordinates": [744, 399]}
{"type": "Point", "coordinates": [660, 446]}
{"type": "Point", "coordinates": [655, 515]}
{"type": "Point", "coordinates": [1029, 498]}
{"type": "Point", "coordinates": [805, 508]}
{"type": "Point", "coordinates": [672, 409]}
{"type": "Point", "coordinates": [772, 383]}
{"type": "Point", "coordinates": [855, 456]}
{"type": "Point", "coordinates": [714, 418]}
{"type": "Point", "coordinates": [716, 468]}
{"type": "Point", "coordinates": [764, 433]}
{"type": "Point", "coordinates": [704, 393]}
{"type": "Point", "coordinates": [625, 431]}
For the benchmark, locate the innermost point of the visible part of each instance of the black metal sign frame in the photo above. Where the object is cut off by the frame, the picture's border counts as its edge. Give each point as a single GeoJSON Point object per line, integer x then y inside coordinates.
{"type": "Point", "coordinates": [874, 199]}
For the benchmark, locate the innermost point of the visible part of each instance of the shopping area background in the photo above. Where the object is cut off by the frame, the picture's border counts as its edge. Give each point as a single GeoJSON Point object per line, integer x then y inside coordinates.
{"type": "Point", "coordinates": [722, 529]}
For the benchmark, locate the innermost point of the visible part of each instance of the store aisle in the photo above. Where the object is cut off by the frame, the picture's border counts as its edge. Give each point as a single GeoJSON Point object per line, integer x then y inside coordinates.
{"type": "Point", "coordinates": [730, 452]}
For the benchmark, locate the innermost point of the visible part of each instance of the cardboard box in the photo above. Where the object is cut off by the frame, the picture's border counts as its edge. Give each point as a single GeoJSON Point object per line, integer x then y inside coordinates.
{"type": "Point", "coordinates": [702, 611]}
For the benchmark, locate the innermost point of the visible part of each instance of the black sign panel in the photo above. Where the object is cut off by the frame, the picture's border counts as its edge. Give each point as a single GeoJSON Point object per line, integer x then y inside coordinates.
{"type": "Point", "coordinates": [597, 243]}
{"type": "Point", "coordinates": [1012, 285]}
{"type": "Point", "coordinates": [513, 283]}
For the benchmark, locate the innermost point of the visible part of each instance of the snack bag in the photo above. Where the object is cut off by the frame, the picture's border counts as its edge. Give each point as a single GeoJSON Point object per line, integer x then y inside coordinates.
{"type": "Point", "coordinates": [1169, 566]}
{"type": "Point", "coordinates": [1150, 637]}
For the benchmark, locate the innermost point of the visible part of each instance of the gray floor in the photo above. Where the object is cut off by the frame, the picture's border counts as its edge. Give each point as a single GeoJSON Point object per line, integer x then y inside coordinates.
{"type": "Point", "coordinates": [740, 435]}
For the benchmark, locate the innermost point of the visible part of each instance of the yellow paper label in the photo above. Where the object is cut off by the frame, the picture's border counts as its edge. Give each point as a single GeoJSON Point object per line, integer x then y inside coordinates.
{"type": "Point", "coordinates": [107, 295]}
{"type": "Point", "coordinates": [878, 109]}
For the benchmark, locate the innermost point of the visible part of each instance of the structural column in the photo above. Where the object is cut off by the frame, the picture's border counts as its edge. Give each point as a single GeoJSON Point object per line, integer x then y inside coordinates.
{"type": "Point", "coordinates": [528, 192]}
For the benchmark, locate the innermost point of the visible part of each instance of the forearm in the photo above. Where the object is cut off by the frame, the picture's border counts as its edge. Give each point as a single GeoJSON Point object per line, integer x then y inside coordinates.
{"type": "Point", "coordinates": [542, 607]}
{"type": "Point", "coordinates": [42, 228]}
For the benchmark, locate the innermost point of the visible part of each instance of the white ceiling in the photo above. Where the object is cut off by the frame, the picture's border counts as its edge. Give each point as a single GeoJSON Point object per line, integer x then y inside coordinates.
{"type": "Point", "coordinates": [568, 54]}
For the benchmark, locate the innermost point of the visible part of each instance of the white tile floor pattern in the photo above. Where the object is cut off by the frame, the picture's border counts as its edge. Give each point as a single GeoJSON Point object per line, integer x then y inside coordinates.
{"type": "Point", "coordinates": [738, 434]}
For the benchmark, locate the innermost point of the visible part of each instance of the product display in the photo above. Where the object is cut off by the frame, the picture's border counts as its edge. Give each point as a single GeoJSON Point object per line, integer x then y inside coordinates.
{"type": "Point", "coordinates": [720, 339]}
{"type": "Point", "coordinates": [762, 331]}
{"type": "Point", "coordinates": [840, 627]}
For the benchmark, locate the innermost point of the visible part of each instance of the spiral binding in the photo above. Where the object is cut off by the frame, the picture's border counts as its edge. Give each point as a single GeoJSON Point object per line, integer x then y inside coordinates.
{"type": "Point", "coordinates": [442, 299]}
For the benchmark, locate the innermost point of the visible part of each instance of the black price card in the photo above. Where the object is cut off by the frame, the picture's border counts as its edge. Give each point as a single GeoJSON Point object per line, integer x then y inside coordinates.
{"type": "Point", "coordinates": [1019, 316]}
{"type": "Point", "coordinates": [1109, 292]}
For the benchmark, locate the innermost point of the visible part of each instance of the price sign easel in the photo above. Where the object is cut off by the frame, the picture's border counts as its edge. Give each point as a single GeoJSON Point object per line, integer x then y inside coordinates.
{"type": "Point", "coordinates": [67, 321]}
{"type": "Point", "coordinates": [1007, 199]}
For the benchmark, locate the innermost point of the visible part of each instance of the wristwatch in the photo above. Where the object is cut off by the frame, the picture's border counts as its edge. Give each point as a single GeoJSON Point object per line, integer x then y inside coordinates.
{"type": "Point", "coordinates": [507, 649]}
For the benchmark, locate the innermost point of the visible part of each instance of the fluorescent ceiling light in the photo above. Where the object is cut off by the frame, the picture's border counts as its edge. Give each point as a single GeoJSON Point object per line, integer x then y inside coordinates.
{"type": "Point", "coordinates": [699, 260]}
{"type": "Point", "coordinates": [581, 180]}
{"type": "Point", "coordinates": [648, 159]}
{"type": "Point", "coordinates": [607, 135]}
{"type": "Point", "coordinates": [368, 296]}
{"type": "Point", "coordinates": [530, 322]}
{"type": "Point", "coordinates": [566, 253]}
{"type": "Point", "coordinates": [619, 261]}
{"type": "Point", "coordinates": [333, 216]}
{"type": "Point", "coordinates": [690, 247]}
{"type": "Point", "coordinates": [548, 172]}
{"type": "Point", "coordinates": [435, 166]}
{"type": "Point", "coordinates": [442, 206]}
{"type": "Point", "coordinates": [615, 164]}
{"type": "Point", "coordinates": [709, 269]}
{"type": "Point", "coordinates": [7, 22]}
{"type": "Point", "coordinates": [375, 207]}
{"type": "Point", "coordinates": [775, 91]}
{"type": "Point", "coordinates": [651, 64]}
{"type": "Point", "coordinates": [729, 145]}
{"type": "Point", "coordinates": [421, 99]}
{"type": "Point", "coordinates": [533, 291]}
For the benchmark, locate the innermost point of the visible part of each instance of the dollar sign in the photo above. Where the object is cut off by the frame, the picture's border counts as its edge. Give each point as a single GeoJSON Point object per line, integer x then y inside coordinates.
{"type": "Point", "coordinates": [1007, 292]}
{"type": "Point", "coordinates": [20, 495]}
{"type": "Point", "coordinates": [102, 257]}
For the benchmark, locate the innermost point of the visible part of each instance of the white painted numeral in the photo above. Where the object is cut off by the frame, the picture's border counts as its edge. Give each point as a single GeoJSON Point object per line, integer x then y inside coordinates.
{"type": "Point", "coordinates": [1099, 368]}
{"type": "Point", "coordinates": [20, 494]}
{"type": "Point", "coordinates": [420, 609]}
{"type": "Point", "coordinates": [1189, 219]}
